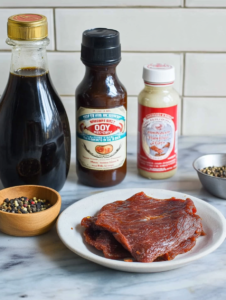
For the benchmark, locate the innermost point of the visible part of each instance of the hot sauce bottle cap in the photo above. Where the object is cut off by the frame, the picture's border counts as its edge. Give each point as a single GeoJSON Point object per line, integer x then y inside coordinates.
{"type": "Point", "coordinates": [158, 74]}
{"type": "Point", "coordinates": [101, 46]}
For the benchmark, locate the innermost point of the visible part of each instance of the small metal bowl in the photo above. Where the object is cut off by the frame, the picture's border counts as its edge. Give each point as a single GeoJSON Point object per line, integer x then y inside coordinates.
{"type": "Point", "coordinates": [215, 185]}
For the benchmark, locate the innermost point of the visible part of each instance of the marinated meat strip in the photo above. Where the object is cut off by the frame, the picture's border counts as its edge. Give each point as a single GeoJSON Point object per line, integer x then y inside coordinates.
{"type": "Point", "coordinates": [184, 247]}
{"type": "Point", "coordinates": [181, 249]}
{"type": "Point", "coordinates": [103, 240]}
{"type": "Point", "coordinates": [88, 222]}
{"type": "Point", "coordinates": [149, 228]}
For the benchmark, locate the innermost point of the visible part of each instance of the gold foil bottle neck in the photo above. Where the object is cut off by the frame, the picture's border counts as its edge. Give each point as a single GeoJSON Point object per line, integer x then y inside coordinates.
{"type": "Point", "coordinates": [27, 27]}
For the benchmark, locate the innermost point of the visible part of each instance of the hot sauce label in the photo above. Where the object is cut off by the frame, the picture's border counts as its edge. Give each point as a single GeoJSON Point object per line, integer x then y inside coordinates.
{"type": "Point", "coordinates": [101, 137]}
{"type": "Point", "coordinates": [157, 134]}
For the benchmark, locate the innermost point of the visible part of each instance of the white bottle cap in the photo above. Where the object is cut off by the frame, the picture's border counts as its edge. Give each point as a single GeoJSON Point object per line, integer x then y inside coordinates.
{"type": "Point", "coordinates": [158, 74]}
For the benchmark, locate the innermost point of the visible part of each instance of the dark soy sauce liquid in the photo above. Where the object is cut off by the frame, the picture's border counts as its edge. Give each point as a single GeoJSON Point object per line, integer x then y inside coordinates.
{"type": "Point", "coordinates": [34, 132]}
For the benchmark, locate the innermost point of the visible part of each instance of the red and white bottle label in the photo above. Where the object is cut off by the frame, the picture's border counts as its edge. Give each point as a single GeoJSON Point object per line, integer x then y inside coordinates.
{"type": "Point", "coordinates": [157, 139]}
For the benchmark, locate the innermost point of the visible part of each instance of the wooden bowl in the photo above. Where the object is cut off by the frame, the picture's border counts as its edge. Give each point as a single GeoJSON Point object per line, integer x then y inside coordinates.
{"type": "Point", "coordinates": [29, 224]}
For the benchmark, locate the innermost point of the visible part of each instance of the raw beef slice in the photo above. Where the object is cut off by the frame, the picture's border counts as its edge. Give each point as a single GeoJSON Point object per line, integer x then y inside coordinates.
{"type": "Point", "coordinates": [149, 228]}
{"type": "Point", "coordinates": [104, 240]}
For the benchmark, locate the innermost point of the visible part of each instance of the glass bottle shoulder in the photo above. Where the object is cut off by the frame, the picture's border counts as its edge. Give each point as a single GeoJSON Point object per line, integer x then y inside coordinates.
{"type": "Point", "coordinates": [108, 85]}
{"type": "Point", "coordinates": [158, 96]}
{"type": "Point", "coordinates": [100, 89]}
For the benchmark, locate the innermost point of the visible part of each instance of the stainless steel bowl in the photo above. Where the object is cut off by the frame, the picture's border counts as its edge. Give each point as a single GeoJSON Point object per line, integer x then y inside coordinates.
{"type": "Point", "coordinates": [214, 185]}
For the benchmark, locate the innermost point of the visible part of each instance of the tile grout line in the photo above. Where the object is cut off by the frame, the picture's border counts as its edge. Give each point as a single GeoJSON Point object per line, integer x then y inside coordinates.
{"type": "Point", "coordinates": [205, 7]}
{"type": "Point", "coordinates": [54, 28]}
{"type": "Point", "coordinates": [181, 96]}
{"type": "Point", "coordinates": [95, 7]}
{"type": "Point", "coordinates": [207, 97]}
{"type": "Point", "coordinates": [135, 96]}
{"type": "Point", "coordinates": [136, 52]}
{"type": "Point", "coordinates": [182, 116]}
{"type": "Point", "coordinates": [154, 51]}
{"type": "Point", "coordinates": [116, 7]}
{"type": "Point", "coordinates": [183, 89]}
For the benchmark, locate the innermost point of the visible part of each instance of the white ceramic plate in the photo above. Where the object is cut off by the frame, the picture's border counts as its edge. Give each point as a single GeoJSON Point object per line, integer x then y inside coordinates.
{"type": "Point", "coordinates": [70, 230]}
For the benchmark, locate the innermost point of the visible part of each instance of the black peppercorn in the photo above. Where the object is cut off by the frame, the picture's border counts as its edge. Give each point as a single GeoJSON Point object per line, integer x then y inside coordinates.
{"type": "Point", "coordinates": [23, 205]}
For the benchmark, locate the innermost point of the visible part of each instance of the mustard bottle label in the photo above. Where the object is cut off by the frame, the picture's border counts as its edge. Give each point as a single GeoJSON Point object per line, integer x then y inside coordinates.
{"type": "Point", "coordinates": [157, 139]}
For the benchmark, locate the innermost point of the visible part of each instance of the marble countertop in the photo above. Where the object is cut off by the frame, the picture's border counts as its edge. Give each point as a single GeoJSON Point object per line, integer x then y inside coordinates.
{"type": "Point", "coordinates": [43, 268]}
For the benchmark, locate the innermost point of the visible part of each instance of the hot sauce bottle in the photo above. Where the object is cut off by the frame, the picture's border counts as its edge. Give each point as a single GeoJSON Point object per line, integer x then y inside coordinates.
{"type": "Point", "coordinates": [101, 104]}
{"type": "Point", "coordinates": [157, 123]}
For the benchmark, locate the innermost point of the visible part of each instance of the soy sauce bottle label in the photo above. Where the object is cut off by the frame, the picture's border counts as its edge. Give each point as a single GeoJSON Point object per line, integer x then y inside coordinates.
{"type": "Point", "coordinates": [101, 138]}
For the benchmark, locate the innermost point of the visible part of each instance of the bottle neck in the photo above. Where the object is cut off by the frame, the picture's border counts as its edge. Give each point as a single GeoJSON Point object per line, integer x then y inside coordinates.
{"type": "Point", "coordinates": [158, 88]}
{"type": "Point", "coordinates": [28, 54]}
{"type": "Point", "coordinates": [100, 73]}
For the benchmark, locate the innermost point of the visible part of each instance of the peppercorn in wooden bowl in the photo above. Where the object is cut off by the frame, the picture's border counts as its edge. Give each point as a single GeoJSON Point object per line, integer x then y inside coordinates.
{"type": "Point", "coordinates": [29, 224]}
{"type": "Point", "coordinates": [211, 170]}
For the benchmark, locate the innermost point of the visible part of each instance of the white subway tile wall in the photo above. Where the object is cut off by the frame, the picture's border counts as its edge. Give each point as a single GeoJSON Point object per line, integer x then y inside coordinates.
{"type": "Point", "coordinates": [148, 29]}
{"type": "Point", "coordinates": [188, 34]}
{"type": "Point", "coordinates": [205, 74]}
{"type": "Point", "coordinates": [91, 3]}
{"type": "Point", "coordinates": [204, 116]}
{"type": "Point", "coordinates": [206, 3]}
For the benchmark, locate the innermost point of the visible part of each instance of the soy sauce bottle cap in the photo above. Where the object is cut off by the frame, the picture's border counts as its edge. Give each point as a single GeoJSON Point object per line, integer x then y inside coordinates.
{"type": "Point", "coordinates": [101, 46]}
{"type": "Point", "coordinates": [27, 27]}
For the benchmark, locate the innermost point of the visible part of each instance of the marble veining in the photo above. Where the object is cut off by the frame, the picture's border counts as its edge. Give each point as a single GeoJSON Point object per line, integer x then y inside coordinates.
{"type": "Point", "coordinates": [43, 268]}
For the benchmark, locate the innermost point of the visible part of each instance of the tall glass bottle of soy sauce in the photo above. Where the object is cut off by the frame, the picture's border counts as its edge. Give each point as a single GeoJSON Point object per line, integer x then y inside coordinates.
{"type": "Point", "coordinates": [34, 129]}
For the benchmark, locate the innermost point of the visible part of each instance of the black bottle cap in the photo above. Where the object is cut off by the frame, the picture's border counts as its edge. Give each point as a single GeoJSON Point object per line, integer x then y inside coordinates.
{"type": "Point", "coordinates": [100, 46]}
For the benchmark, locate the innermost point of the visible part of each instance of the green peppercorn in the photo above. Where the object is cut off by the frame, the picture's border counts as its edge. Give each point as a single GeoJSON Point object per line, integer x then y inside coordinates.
{"type": "Point", "coordinates": [213, 171]}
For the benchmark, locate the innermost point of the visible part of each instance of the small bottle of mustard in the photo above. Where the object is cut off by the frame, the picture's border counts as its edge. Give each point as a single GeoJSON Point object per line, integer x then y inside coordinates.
{"type": "Point", "coordinates": [157, 123]}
